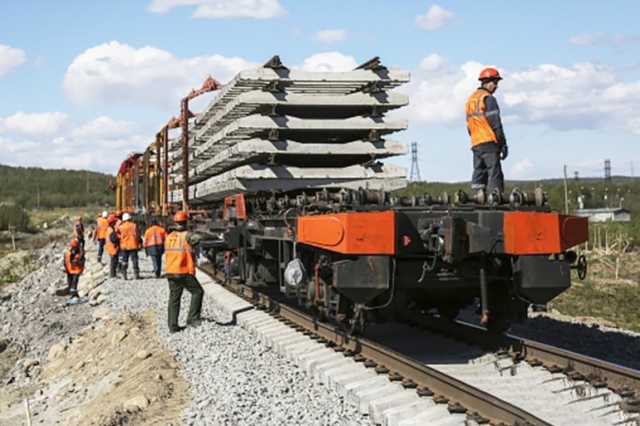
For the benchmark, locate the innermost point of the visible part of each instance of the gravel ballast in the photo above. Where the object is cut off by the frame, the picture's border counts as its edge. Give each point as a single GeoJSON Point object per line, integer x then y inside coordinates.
{"type": "Point", "coordinates": [234, 379]}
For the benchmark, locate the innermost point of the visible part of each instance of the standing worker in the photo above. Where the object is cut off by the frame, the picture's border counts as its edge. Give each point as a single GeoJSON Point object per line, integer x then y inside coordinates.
{"type": "Point", "coordinates": [78, 231]}
{"type": "Point", "coordinates": [488, 142]}
{"type": "Point", "coordinates": [112, 245]}
{"type": "Point", "coordinates": [73, 267]}
{"type": "Point", "coordinates": [102, 226]}
{"type": "Point", "coordinates": [129, 245]}
{"type": "Point", "coordinates": [154, 238]}
{"type": "Point", "coordinates": [180, 268]}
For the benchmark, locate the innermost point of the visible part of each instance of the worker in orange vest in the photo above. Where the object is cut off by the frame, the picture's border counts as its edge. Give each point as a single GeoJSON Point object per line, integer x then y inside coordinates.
{"type": "Point", "coordinates": [73, 266]}
{"type": "Point", "coordinates": [154, 238]}
{"type": "Point", "coordinates": [488, 142]}
{"type": "Point", "coordinates": [112, 245]}
{"type": "Point", "coordinates": [129, 245]}
{"type": "Point", "coordinates": [78, 231]}
{"type": "Point", "coordinates": [180, 268]}
{"type": "Point", "coordinates": [100, 235]}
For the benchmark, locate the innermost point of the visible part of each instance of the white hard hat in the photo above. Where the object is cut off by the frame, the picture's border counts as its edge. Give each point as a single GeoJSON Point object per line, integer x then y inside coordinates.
{"type": "Point", "coordinates": [126, 216]}
{"type": "Point", "coordinates": [105, 214]}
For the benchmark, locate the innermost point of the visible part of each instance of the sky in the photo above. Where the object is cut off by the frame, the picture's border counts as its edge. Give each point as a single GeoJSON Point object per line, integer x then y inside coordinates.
{"type": "Point", "coordinates": [85, 83]}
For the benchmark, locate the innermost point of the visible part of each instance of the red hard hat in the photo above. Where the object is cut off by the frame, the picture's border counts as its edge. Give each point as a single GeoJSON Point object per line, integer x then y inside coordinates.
{"type": "Point", "coordinates": [489, 73]}
{"type": "Point", "coordinates": [181, 216]}
{"type": "Point", "coordinates": [74, 243]}
{"type": "Point", "coordinates": [112, 219]}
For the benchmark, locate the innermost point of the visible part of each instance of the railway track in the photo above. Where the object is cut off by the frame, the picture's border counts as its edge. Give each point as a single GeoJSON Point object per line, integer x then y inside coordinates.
{"type": "Point", "coordinates": [476, 377]}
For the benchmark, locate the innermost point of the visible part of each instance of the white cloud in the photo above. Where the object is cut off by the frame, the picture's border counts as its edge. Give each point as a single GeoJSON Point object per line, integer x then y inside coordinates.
{"type": "Point", "coordinates": [583, 96]}
{"type": "Point", "coordinates": [523, 169]}
{"type": "Point", "coordinates": [118, 73]}
{"type": "Point", "coordinates": [10, 58]}
{"type": "Point", "coordinates": [435, 18]}
{"type": "Point", "coordinates": [329, 62]}
{"type": "Point", "coordinates": [603, 39]}
{"type": "Point", "coordinates": [330, 36]}
{"type": "Point", "coordinates": [45, 124]}
{"type": "Point", "coordinates": [214, 9]}
{"type": "Point", "coordinates": [99, 144]}
{"type": "Point", "coordinates": [103, 127]}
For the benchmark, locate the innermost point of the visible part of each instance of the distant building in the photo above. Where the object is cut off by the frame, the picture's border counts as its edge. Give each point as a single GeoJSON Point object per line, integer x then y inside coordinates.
{"type": "Point", "coordinates": [607, 214]}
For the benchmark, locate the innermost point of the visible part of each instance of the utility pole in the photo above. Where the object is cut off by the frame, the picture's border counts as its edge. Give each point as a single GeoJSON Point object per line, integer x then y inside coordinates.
{"type": "Point", "coordinates": [566, 195]}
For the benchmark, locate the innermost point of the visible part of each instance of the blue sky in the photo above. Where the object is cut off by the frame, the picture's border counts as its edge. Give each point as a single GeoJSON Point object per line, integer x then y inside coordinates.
{"type": "Point", "coordinates": [85, 83]}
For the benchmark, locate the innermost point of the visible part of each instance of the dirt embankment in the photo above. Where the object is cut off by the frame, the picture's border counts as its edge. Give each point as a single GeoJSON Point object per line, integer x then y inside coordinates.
{"type": "Point", "coordinates": [79, 365]}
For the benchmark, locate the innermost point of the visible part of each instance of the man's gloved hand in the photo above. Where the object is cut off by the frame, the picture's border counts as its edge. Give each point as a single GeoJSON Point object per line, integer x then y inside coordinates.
{"type": "Point", "coordinates": [504, 151]}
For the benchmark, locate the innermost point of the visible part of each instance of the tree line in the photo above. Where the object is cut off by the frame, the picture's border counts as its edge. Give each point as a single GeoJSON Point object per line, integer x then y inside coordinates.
{"type": "Point", "coordinates": [34, 187]}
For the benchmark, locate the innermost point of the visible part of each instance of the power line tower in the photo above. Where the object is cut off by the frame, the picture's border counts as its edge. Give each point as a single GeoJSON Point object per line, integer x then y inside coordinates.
{"type": "Point", "coordinates": [607, 170]}
{"type": "Point", "coordinates": [576, 176]}
{"type": "Point", "coordinates": [415, 169]}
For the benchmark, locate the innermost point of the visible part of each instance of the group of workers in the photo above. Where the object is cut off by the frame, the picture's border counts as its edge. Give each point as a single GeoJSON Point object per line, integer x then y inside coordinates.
{"type": "Point", "coordinates": [119, 236]}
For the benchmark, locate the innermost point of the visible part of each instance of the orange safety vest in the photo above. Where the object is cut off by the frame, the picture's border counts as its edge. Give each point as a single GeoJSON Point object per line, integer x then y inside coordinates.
{"type": "Point", "coordinates": [154, 236]}
{"type": "Point", "coordinates": [179, 254]}
{"type": "Point", "coordinates": [112, 249]}
{"type": "Point", "coordinates": [75, 264]}
{"type": "Point", "coordinates": [101, 228]}
{"type": "Point", "coordinates": [129, 236]}
{"type": "Point", "coordinates": [477, 123]}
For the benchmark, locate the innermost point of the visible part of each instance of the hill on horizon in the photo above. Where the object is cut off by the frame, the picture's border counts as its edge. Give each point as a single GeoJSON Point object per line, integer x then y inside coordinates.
{"type": "Point", "coordinates": [35, 187]}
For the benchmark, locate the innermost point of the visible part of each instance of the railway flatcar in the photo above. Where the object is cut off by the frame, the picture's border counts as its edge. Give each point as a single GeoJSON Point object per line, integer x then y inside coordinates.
{"type": "Point", "coordinates": [284, 174]}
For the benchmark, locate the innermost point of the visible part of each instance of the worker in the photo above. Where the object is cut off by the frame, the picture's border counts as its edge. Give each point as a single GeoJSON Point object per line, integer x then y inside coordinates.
{"type": "Point", "coordinates": [180, 268]}
{"type": "Point", "coordinates": [112, 245]}
{"type": "Point", "coordinates": [129, 245]}
{"type": "Point", "coordinates": [100, 235]}
{"type": "Point", "coordinates": [488, 142]}
{"type": "Point", "coordinates": [73, 266]}
{"type": "Point", "coordinates": [78, 231]}
{"type": "Point", "coordinates": [154, 238]}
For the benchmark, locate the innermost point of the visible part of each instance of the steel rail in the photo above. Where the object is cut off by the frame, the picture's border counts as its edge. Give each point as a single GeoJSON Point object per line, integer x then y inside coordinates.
{"type": "Point", "coordinates": [461, 396]}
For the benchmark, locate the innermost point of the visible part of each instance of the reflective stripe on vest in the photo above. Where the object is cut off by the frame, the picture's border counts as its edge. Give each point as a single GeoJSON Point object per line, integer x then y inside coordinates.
{"type": "Point", "coordinates": [129, 236]}
{"type": "Point", "coordinates": [479, 128]}
{"type": "Point", "coordinates": [154, 236]}
{"type": "Point", "coordinates": [179, 254]}
{"type": "Point", "coordinates": [75, 267]}
{"type": "Point", "coordinates": [102, 228]}
{"type": "Point", "coordinates": [112, 249]}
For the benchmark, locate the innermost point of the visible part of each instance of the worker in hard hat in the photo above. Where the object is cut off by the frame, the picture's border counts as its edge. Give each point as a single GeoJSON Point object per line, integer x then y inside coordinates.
{"type": "Point", "coordinates": [112, 245]}
{"type": "Point", "coordinates": [154, 238]}
{"type": "Point", "coordinates": [78, 231]}
{"type": "Point", "coordinates": [129, 245]}
{"type": "Point", "coordinates": [100, 235]}
{"type": "Point", "coordinates": [488, 142]}
{"type": "Point", "coordinates": [180, 269]}
{"type": "Point", "coordinates": [73, 266]}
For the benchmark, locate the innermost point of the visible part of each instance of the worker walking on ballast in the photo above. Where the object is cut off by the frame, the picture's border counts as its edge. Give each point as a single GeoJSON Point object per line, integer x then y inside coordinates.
{"type": "Point", "coordinates": [129, 245]}
{"type": "Point", "coordinates": [180, 269]}
{"type": "Point", "coordinates": [488, 142]}
{"type": "Point", "coordinates": [154, 238]}
{"type": "Point", "coordinates": [73, 267]}
{"type": "Point", "coordinates": [100, 235]}
{"type": "Point", "coordinates": [112, 245]}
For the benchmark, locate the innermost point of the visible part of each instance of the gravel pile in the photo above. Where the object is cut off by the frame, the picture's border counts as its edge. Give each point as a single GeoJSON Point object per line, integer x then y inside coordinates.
{"type": "Point", "coordinates": [234, 379]}
{"type": "Point", "coordinates": [34, 317]}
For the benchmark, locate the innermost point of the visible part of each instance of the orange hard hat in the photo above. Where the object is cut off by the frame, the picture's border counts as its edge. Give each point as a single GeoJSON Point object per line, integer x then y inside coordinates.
{"type": "Point", "coordinates": [181, 216]}
{"type": "Point", "coordinates": [489, 73]}
{"type": "Point", "coordinates": [74, 243]}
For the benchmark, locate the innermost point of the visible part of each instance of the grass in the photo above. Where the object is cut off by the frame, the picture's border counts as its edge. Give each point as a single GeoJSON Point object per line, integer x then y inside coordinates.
{"type": "Point", "coordinates": [39, 217]}
{"type": "Point", "coordinates": [617, 303]}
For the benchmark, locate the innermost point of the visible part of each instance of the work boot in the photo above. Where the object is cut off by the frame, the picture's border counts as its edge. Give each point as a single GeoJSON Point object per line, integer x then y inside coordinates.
{"type": "Point", "coordinates": [124, 274]}
{"type": "Point", "coordinates": [176, 329]}
{"type": "Point", "coordinates": [136, 275]}
{"type": "Point", "coordinates": [195, 323]}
